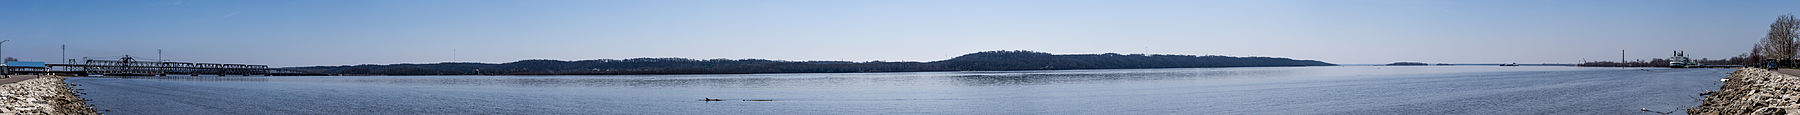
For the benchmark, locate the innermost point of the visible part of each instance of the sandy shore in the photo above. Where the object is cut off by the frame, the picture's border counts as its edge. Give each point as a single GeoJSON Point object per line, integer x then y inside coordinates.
{"type": "Point", "coordinates": [47, 95]}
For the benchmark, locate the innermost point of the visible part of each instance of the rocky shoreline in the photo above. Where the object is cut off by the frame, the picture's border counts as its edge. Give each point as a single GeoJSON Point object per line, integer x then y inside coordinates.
{"type": "Point", "coordinates": [46, 95]}
{"type": "Point", "coordinates": [1752, 91]}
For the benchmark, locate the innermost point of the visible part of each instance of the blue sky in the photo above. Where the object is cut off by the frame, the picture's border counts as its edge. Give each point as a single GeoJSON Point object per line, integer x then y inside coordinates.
{"type": "Point", "coordinates": [333, 32]}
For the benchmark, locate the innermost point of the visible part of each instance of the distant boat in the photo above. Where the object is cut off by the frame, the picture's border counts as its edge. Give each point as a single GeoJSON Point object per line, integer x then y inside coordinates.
{"type": "Point", "coordinates": [1681, 60]}
{"type": "Point", "coordinates": [1510, 64]}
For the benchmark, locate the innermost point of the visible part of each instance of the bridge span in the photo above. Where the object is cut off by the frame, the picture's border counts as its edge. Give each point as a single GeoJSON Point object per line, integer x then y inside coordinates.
{"type": "Point", "coordinates": [127, 66]}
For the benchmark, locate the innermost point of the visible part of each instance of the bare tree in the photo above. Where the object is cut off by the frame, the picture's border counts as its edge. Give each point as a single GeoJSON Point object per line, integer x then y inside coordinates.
{"type": "Point", "coordinates": [1755, 55]}
{"type": "Point", "coordinates": [1780, 43]}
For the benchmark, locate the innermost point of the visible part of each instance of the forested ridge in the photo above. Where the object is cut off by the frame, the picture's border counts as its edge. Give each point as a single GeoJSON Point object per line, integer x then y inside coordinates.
{"type": "Point", "coordinates": [980, 61]}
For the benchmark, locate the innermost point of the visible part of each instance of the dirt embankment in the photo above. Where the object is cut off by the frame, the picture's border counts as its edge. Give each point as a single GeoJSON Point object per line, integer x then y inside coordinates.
{"type": "Point", "coordinates": [47, 95]}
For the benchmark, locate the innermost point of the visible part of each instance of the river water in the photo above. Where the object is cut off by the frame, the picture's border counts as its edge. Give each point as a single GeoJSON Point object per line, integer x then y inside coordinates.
{"type": "Point", "coordinates": [1250, 90]}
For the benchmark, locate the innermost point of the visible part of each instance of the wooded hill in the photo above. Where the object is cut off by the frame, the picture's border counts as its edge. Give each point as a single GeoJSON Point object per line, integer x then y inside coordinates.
{"type": "Point", "coordinates": [980, 61]}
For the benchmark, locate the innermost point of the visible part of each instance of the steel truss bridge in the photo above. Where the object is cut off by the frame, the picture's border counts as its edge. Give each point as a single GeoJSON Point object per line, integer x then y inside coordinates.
{"type": "Point", "coordinates": [129, 67]}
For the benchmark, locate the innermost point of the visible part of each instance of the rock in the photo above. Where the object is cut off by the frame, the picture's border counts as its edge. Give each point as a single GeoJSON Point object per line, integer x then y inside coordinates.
{"type": "Point", "coordinates": [1752, 91]}
{"type": "Point", "coordinates": [42, 95]}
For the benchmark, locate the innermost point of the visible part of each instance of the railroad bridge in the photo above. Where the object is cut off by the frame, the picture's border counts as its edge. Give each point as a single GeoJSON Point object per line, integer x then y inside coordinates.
{"type": "Point", "coordinates": [126, 66]}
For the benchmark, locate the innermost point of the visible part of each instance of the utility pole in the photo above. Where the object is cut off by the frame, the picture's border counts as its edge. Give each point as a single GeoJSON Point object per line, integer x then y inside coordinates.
{"type": "Point", "coordinates": [65, 56]}
{"type": "Point", "coordinates": [2, 46]}
{"type": "Point", "coordinates": [159, 62]}
{"type": "Point", "coordinates": [4, 70]}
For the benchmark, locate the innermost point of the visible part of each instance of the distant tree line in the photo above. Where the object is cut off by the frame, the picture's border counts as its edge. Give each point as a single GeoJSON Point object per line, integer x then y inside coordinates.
{"type": "Point", "coordinates": [1778, 46]}
{"type": "Point", "coordinates": [980, 61]}
{"type": "Point", "coordinates": [1660, 62]}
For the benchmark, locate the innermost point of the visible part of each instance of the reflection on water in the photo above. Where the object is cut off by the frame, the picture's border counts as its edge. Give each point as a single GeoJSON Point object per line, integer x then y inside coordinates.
{"type": "Point", "coordinates": [1258, 90]}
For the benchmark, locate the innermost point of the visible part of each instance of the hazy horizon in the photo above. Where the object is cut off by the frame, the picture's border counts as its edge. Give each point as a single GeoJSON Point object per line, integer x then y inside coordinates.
{"type": "Point", "coordinates": [330, 32]}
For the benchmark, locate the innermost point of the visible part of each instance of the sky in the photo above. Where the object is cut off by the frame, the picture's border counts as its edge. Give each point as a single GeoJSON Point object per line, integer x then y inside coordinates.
{"type": "Point", "coordinates": [288, 33]}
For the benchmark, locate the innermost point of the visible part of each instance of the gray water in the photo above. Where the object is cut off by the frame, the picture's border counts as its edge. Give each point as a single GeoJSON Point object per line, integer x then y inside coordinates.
{"type": "Point", "coordinates": [1255, 90]}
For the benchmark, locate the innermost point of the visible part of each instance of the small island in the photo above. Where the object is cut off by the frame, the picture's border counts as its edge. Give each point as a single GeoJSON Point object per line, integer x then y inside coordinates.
{"type": "Point", "coordinates": [980, 61]}
{"type": "Point", "coordinates": [1408, 64]}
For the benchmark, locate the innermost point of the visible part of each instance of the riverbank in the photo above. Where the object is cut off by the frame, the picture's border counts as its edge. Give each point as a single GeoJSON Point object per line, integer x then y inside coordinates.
{"type": "Point", "coordinates": [1753, 91]}
{"type": "Point", "coordinates": [46, 95]}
